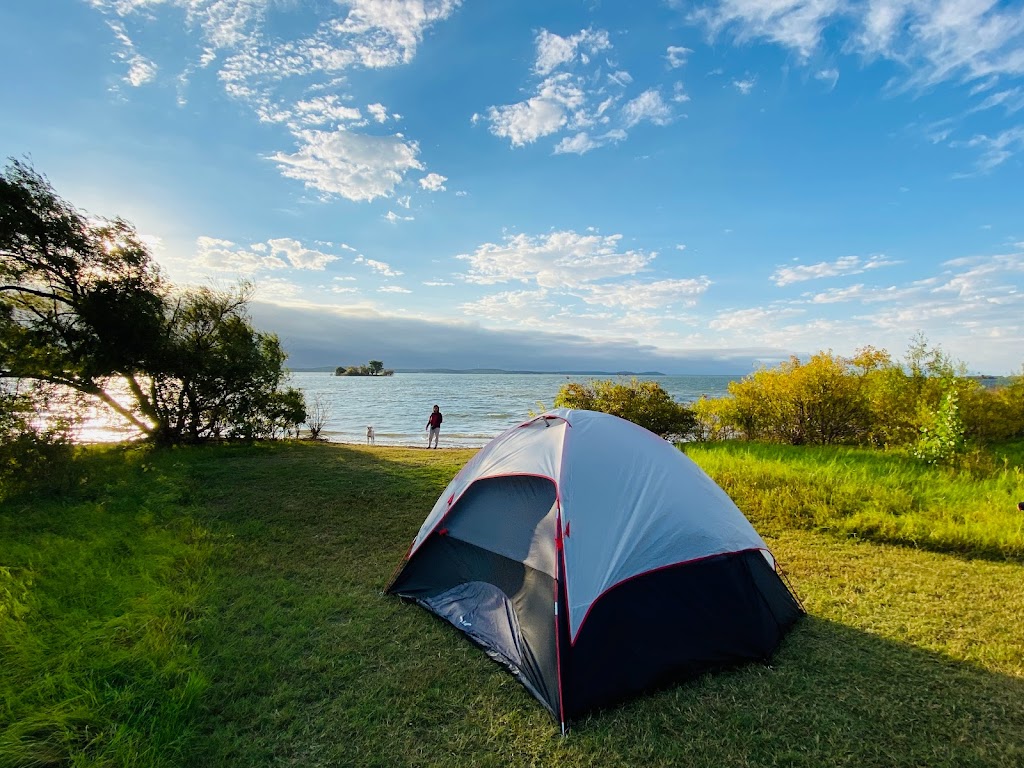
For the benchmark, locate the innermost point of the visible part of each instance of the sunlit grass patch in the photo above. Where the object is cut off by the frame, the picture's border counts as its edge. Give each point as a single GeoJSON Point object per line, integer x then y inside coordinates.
{"type": "Point", "coordinates": [100, 666]}
{"type": "Point", "coordinates": [873, 494]}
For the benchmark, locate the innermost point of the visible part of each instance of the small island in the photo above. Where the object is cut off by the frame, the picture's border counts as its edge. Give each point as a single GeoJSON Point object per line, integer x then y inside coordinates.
{"type": "Point", "coordinates": [372, 368]}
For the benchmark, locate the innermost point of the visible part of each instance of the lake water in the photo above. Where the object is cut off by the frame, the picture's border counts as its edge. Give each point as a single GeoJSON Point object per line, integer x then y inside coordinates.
{"type": "Point", "coordinates": [476, 406]}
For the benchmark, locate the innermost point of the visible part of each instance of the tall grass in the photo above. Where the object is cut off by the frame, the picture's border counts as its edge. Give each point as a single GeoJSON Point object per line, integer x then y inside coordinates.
{"type": "Point", "coordinates": [223, 607]}
{"type": "Point", "coordinates": [100, 591]}
{"type": "Point", "coordinates": [876, 495]}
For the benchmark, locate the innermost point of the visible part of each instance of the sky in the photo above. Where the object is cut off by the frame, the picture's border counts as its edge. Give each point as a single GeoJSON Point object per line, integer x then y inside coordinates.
{"type": "Point", "coordinates": [690, 187]}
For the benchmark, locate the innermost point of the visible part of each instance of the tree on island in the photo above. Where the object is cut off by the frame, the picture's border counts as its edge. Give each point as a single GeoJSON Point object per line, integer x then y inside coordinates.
{"type": "Point", "coordinates": [372, 368]}
{"type": "Point", "coordinates": [84, 308]}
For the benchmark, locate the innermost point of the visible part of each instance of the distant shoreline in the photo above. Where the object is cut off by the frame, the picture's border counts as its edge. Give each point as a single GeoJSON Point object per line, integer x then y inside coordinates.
{"type": "Point", "coordinates": [987, 380]}
{"type": "Point", "coordinates": [502, 371]}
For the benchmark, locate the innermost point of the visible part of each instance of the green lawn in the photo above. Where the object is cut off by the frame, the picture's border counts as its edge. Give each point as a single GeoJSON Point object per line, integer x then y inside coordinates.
{"type": "Point", "coordinates": [222, 607]}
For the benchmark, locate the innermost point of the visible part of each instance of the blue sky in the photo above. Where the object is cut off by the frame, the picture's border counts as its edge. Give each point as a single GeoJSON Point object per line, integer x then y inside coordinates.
{"type": "Point", "coordinates": [692, 187]}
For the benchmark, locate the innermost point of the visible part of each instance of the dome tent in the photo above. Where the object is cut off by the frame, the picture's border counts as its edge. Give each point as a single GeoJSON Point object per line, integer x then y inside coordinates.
{"type": "Point", "coordinates": [595, 560]}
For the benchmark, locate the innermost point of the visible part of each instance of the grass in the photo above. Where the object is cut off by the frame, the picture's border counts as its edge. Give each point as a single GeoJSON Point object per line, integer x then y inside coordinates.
{"type": "Point", "coordinates": [880, 496]}
{"type": "Point", "coordinates": [223, 607]}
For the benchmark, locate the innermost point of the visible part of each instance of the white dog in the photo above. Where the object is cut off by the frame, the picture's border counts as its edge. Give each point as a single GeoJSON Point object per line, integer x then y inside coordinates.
{"type": "Point", "coordinates": [369, 436]}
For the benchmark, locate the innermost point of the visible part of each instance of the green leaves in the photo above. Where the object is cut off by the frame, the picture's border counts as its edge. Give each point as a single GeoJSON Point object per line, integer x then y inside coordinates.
{"type": "Point", "coordinates": [643, 402]}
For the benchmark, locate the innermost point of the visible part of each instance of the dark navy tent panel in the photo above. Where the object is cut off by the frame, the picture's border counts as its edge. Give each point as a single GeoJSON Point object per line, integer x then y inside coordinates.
{"type": "Point", "coordinates": [675, 623]}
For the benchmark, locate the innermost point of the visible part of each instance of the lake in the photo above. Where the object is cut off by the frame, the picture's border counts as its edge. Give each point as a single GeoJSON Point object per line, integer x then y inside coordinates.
{"type": "Point", "coordinates": [476, 406]}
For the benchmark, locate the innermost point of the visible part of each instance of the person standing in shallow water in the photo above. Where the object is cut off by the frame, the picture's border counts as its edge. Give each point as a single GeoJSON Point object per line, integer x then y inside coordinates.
{"type": "Point", "coordinates": [434, 426]}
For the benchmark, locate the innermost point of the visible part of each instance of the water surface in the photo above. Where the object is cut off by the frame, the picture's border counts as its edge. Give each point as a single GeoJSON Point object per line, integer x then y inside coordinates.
{"type": "Point", "coordinates": [476, 406]}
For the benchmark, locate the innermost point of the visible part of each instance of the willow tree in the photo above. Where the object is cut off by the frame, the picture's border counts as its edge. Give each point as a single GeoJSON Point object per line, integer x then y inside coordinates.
{"type": "Point", "coordinates": [84, 306]}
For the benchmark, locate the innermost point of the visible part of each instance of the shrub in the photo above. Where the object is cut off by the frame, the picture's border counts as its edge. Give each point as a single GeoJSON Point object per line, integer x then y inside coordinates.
{"type": "Point", "coordinates": [31, 457]}
{"type": "Point", "coordinates": [643, 402]}
{"type": "Point", "coordinates": [942, 440]}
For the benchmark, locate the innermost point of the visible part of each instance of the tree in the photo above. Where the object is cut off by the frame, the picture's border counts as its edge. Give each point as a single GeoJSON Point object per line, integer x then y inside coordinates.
{"type": "Point", "coordinates": [643, 402]}
{"type": "Point", "coordinates": [80, 299]}
{"type": "Point", "coordinates": [375, 366]}
{"type": "Point", "coordinates": [83, 306]}
{"type": "Point", "coordinates": [218, 376]}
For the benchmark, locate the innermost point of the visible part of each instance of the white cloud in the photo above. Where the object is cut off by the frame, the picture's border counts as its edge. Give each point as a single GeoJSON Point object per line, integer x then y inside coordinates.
{"type": "Point", "coordinates": [224, 257]}
{"type": "Point", "coordinates": [394, 218]}
{"type": "Point", "coordinates": [935, 41]}
{"type": "Point", "coordinates": [276, 289]}
{"type": "Point", "coordinates": [845, 265]}
{"type": "Point", "coordinates": [140, 71]}
{"type": "Point", "coordinates": [583, 142]}
{"type": "Point", "coordinates": [433, 182]}
{"type": "Point", "coordinates": [392, 289]}
{"type": "Point", "coordinates": [224, 23]}
{"type": "Point", "coordinates": [554, 51]}
{"type": "Point", "coordinates": [378, 111]}
{"type": "Point", "coordinates": [351, 165]}
{"type": "Point", "coordinates": [322, 110]}
{"type": "Point", "coordinates": [299, 256]}
{"type": "Point", "coordinates": [1011, 100]}
{"type": "Point", "coordinates": [659, 294]}
{"type": "Point", "coordinates": [841, 295]}
{"type": "Point", "coordinates": [227, 257]}
{"type": "Point", "coordinates": [647, 106]}
{"type": "Point", "coordinates": [558, 260]}
{"type": "Point", "coordinates": [540, 115]}
{"type": "Point", "coordinates": [969, 305]}
{"type": "Point", "coordinates": [577, 96]}
{"type": "Point", "coordinates": [283, 80]}
{"type": "Point", "coordinates": [829, 76]}
{"type": "Point", "coordinates": [620, 78]}
{"type": "Point", "coordinates": [745, 86]}
{"type": "Point", "coordinates": [794, 23]}
{"type": "Point", "coordinates": [753, 319]}
{"type": "Point", "coordinates": [379, 267]}
{"type": "Point", "coordinates": [677, 55]}
{"type": "Point", "coordinates": [578, 144]}
{"type": "Point", "coordinates": [997, 149]}
{"type": "Point", "coordinates": [511, 306]}
{"type": "Point", "coordinates": [387, 32]}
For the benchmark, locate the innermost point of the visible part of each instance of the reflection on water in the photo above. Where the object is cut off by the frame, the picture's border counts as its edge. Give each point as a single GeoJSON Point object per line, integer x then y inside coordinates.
{"type": "Point", "coordinates": [89, 420]}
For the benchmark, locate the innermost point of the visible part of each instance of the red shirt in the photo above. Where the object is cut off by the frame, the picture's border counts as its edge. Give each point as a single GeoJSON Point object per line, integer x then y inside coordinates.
{"type": "Point", "coordinates": [435, 420]}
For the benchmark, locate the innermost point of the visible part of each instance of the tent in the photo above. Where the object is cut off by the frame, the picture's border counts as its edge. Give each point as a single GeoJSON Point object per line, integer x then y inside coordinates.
{"type": "Point", "coordinates": [595, 561]}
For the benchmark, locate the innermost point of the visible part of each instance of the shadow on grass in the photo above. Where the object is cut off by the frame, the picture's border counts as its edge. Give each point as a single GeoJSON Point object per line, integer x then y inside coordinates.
{"type": "Point", "coordinates": [833, 696]}
{"type": "Point", "coordinates": [311, 665]}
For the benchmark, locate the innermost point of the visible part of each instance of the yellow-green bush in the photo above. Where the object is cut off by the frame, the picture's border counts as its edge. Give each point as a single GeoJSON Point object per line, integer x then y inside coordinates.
{"type": "Point", "coordinates": [867, 400]}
